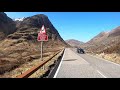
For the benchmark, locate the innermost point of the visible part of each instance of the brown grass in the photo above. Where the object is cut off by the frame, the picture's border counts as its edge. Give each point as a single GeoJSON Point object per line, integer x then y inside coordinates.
{"type": "Point", "coordinates": [14, 53]}
{"type": "Point", "coordinates": [24, 67]}
{"type": "Point", "coordinates": [114, 57]}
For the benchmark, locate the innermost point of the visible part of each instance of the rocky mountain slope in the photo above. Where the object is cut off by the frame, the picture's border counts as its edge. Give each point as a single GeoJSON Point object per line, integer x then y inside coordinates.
{"type": "Point", "coordinates": [105, 45]}
{"type": "Point", "coordinates": [74, 43]}
{"type": "Point", "coordinates": [7, 25]}
{"type": "Point", "coordinates": [20, 44]}
{"type": "Point", "coordinates": [30, 26]}
{"type": "Point", "coordinates": [107, 42]}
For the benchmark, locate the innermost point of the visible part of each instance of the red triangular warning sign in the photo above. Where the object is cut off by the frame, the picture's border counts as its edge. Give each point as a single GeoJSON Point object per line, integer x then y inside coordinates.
{"type": "Point", "coordinates": [43, 30]}
{"type": "Point", "coordinates": [42, 36]}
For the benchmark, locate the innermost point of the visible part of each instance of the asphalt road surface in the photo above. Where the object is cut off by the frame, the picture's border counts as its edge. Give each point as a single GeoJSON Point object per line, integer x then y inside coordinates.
{"type": "Point", "coordinates": [74, 65]}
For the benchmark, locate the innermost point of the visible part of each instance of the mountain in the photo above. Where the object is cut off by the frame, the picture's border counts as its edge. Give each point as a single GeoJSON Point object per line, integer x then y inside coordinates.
{"type": "Point", "coordinates": [107, 42]}
{"type": "Point", "coordinates": [7, 25]}
{"type": "Point", "coordinates": [19, 19]}
{"type": "Point", "coordinates": [74, 43]}
{"type": "Point", "coordinates": [100, 37]}
{"type": "Point", "coordinates": [115, 32]}
{"type": "Point", "coordinates": [30, 26]}
{"type": "Point", "coordinates": [20, 44]}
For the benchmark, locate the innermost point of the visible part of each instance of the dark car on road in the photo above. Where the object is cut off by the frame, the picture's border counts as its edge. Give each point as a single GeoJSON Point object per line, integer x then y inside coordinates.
{"type": "Point", "coordinates": [80, 50]}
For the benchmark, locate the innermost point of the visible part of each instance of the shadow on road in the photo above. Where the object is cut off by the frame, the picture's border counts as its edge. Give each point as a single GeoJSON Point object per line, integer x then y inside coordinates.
{"type": "Point", "coordinates": [70, 60]}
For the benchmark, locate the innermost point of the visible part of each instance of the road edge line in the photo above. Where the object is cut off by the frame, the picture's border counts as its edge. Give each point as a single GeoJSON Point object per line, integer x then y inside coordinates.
{"type": "Point", "coordinates": [104, 59]}
{"type": "Point", "coordinates": [59, 65]}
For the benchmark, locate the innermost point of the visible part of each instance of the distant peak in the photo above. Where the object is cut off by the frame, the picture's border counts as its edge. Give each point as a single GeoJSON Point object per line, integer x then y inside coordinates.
{"type": "Point", "coordinates": [40, 15]}
{"type": "Point", "coordinates": [19, 19]}
{"type": "Point", "coordinates": [72, 40]}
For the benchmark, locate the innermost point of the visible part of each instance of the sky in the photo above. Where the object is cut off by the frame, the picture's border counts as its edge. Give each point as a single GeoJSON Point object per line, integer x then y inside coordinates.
{"type": "Point", "coordinates": [82, 26]}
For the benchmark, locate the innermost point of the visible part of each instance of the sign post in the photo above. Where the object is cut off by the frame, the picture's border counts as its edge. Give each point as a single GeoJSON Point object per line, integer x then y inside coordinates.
{"type": "Point", "coordinates": [42, 36]}
{"type": "Point", "coordinates": [41, 50]}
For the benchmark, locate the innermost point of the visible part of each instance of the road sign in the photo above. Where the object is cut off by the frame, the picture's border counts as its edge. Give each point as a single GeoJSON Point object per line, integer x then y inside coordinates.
{"type": "Point", "coordinates": [42, 34]}
{"type": "Point", "coordinates": [42, 37]}
{"type": "Point", "coordinates": [42, 30]}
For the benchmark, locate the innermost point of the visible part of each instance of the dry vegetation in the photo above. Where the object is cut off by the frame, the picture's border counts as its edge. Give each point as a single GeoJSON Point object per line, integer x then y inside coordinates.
{"type": "Point", "coordinates": [111, 52]}
{"type": "Point", "coordinates": [26, 66]}
{"type": "Point", "coordinates": [114, 57]}
{"type": "Point", "coordinates": [40, 72]}
{"type": "Point", "coordinates": [14, 53]}
{"type": "Point", "coordinates": [108, 49]}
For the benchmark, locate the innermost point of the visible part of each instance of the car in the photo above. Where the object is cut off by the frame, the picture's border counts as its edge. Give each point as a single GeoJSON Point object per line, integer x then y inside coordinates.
{"type": "Point", "coordinates": [80, 50]}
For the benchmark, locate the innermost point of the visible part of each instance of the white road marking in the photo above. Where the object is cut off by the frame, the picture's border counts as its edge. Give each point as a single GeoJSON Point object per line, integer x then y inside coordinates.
{"type": "Point", "coordinates": [59, 66]}
{"type": "Point", "coordinates": [104, 59]}
{"type": "Point", "coordinates": [101, 74]}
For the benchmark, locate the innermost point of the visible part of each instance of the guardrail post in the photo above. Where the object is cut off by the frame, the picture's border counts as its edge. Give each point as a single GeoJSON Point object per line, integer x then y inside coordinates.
{"type": "Point", "coordinates": [43, 67]}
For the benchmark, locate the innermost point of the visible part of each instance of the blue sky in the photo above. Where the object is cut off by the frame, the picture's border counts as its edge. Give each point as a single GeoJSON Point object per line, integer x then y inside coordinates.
{"type": "Point", "coordinates": [81, 26]}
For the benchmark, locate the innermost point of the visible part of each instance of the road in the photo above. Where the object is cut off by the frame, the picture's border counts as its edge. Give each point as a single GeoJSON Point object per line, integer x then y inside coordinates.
{"type": "Point", "coordinates": [74, 65]}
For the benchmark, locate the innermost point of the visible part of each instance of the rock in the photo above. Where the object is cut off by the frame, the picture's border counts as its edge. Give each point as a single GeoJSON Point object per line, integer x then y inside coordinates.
{"type": "Point", "coordinates": [14, 55]}
{"type": "Point", "coordinates": [25, 54]}
{"type": "Point", "coordinates": [7, 25]}
{"type": "Point", "coordinates": [34, 23]}
{"type": "Point", "coordinates": [35, 56]}
{"type": "Point", "coordinates": [27, 58]}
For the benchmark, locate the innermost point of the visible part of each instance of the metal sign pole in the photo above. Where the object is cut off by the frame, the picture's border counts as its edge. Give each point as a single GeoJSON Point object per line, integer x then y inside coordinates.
{"type": "Point", "coordinates": [41, 50]}
{"type": "Point", "coordinates": [42, 53]}
{"type": "Point", "coordinates": [42, 37]}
